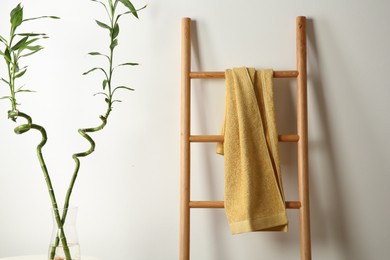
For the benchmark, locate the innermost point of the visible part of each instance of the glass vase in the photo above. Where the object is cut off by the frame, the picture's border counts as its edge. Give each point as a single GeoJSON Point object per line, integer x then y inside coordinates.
{"type": "Point", "coordinates": [68, 234]}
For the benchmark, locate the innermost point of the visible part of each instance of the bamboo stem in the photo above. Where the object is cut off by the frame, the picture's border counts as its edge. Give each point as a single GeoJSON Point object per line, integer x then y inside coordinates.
{"type": "Point", "coordinates": [83, 132]}
{"type": "Point", "coordinates": [22, 129]}
{"type": "Point", "coordinates": [75, 157]}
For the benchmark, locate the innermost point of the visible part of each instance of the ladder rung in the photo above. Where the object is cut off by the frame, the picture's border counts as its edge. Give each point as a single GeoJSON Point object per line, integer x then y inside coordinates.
{"type": "Point", "coordinates": [220, 204]}
{"type": "Point", "coordinates": [221, 74]}
{"type": "Point", "coordinates": [219, 138]}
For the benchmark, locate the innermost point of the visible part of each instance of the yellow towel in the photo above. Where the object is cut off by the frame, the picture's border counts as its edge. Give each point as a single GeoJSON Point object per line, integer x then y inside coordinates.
{"type": "Point", "coordinates": [254, 198]}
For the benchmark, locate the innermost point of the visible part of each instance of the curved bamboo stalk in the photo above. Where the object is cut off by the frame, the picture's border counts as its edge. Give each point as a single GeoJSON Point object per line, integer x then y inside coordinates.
{"type": "Point", "coordinates": [22, 129]}
{"type": "Point", "coordinates": [113, 27]}
{"type": "Point", "coordinates": [83, 133]}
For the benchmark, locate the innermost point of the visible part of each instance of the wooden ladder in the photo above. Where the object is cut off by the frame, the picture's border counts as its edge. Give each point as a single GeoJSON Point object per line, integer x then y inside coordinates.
{"type": "Point", "coordinates": [186, 204]}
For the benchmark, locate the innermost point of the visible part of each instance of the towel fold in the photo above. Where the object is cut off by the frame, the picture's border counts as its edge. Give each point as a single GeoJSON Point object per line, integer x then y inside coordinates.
{"type": "Point", "coordinates": [254, 198]}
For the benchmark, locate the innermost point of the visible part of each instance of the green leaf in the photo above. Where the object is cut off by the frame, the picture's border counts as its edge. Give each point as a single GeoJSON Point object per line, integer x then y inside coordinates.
{"type": "Point", "coordinates": [15, 63]}
{"type": "Point", "coordinates": [20, 73]}
{"type": "Point", "coordinates": [41, 17]}
{"type": "Point", "coordinates": [31, 34]}
{"type": "Point", "coordinates": [89, 71]}
{"type": "Point", "coordinates": [24, 90]}
{"type": "Point", "coordinates": [131, 7]}
{"type": "Point", "coordinates": [129, 12]}
{"type": "Point", "coordinates": [16, 17]}
{"type": "Point", "coordinates": [104, 84]}
{"type": "Point", "coordinates": [101, 93]}
{"type": "Point", "coordinates": [34, 48]}
{"type": "Point", "coordinates": [116, 101]}
{"type": "Point", "coordinates": [114, 44]}
{"type": "Point", "coordinates": [32, 40]}
{"type": "Point", "coordinates": [3, 40]}
{"type": "Point", "coordinates": [6, 97]}
{"type": "Point", "coordinates": [7, 55]}
{"type": "Point", "coordinates": [101, 4]}
{"type": "Point", "coordinates": [115, 32]}
{"type": "Point", "coordinates": [103, 25]}
{"type": "Point", "coordinates": [30, 53]}
{"type": "Point", "coordinates": [95, 53]}
{"type": "Point", "coordinates": [128, 64]}
{"type": "Point", "coordinates": [19, 43]}
{"type": "Point", "coordinates": [125, 64]}
{"type": "Point", "coordinates": [26, 45]}
{"type": "Point", "coordinates": [4, 81]}
{"type": "Point", "coordinates": [143, 7]}
{"type": "Point", "coordinates": [122, 87]}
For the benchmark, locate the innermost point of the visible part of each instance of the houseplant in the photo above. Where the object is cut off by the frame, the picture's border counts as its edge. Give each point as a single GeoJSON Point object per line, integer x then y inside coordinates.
{"type": "Point", "coordinates": [18, 47]}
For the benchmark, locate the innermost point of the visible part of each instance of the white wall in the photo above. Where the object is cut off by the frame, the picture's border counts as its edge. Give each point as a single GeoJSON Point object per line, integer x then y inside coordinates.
{"type": "Point", "coordinates": [128, 190]}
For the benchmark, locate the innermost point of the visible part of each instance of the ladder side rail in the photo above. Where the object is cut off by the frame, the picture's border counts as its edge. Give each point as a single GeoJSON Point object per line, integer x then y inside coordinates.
{"type": "Point", "coordinates": [185, 185]}
{"type": "Point", "coordinates": [302, 129]}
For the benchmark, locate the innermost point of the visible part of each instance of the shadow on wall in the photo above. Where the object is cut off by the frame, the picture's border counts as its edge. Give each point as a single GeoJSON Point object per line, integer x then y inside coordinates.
{"type": "Point", "coordinates": [327, 226]}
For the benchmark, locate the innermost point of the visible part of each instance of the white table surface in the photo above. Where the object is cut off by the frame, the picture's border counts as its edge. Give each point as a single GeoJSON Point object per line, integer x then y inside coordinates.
{"type": "Point", "coordinates": [41, 257]}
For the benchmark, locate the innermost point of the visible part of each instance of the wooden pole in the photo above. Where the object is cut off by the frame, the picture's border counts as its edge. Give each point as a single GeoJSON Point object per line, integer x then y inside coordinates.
{"type": "Point", "coordinates": [220, 138]}
{"type": "Point", "coordinates": [221, 74]}
{"type": "Point", "coordinates": [185, 139]}
{"type": "Point", "coordinates": [221, 204]}
{"type": "Point", "coordinates": [303, 160]}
